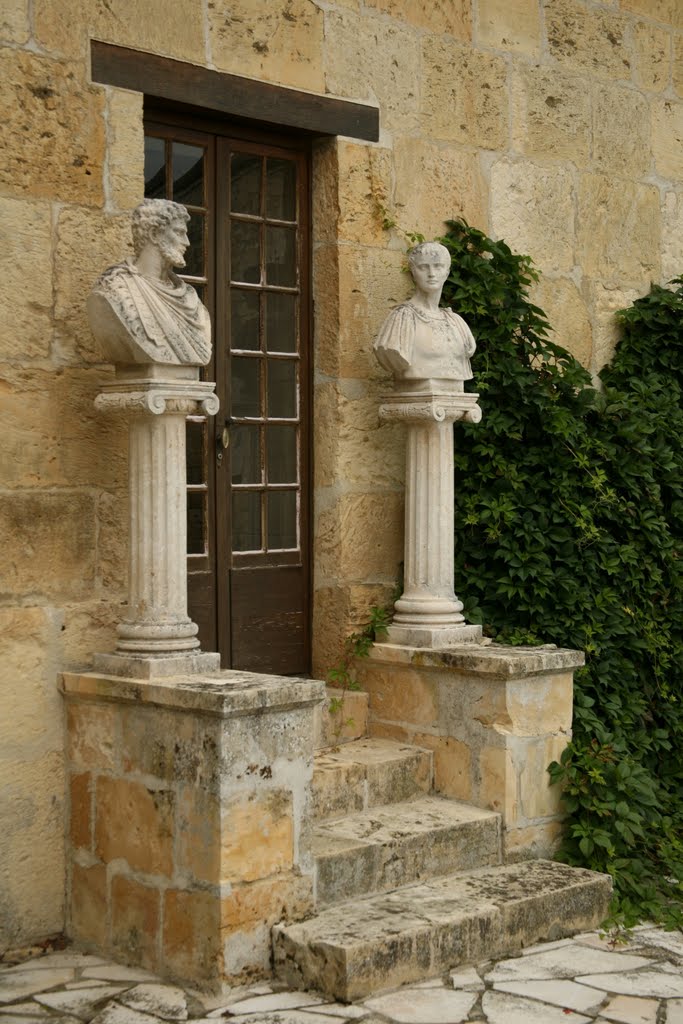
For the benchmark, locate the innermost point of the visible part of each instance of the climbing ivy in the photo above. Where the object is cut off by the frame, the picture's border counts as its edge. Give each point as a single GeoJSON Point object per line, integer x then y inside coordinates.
{"type": "Point", "coordinates": [569, 530]}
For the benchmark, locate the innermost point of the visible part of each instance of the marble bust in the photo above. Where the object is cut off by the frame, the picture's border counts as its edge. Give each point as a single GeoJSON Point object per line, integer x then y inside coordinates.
{"type": "Point", "coordinates": [419, 340]}
{"type": "Point", "coordinates": [139, 310]}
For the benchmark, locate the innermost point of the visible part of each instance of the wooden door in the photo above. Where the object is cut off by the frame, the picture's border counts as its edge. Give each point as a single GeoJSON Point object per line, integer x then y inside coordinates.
{"type": "Point", "coordinates": [248, 467]}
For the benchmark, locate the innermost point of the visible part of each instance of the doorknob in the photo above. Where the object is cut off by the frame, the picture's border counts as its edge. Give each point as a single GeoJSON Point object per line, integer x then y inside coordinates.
{"type": "Point", "coordinates": [222, 441]}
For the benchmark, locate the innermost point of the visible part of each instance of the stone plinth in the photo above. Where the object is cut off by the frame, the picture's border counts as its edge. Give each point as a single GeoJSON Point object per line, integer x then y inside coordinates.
{"type": "Point", "coordinates": [157, 400]}
{"type": "Point", "coordinates": [428, 613]}
{"type": "Point", "coordinates": [494, 716]}
{"type": "Point", "coordinates": [190, 820]}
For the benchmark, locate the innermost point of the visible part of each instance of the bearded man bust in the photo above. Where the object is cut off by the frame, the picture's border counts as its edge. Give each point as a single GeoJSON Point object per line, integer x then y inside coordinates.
{"type": "Point", "coordinates": [140, 310]}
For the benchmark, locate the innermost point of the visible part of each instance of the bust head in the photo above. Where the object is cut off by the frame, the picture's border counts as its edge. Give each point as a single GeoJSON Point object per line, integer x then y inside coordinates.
{"type": "Point", "coordinates": [161, 224]}
{"type": "Point", "coordinates": [430, 265]}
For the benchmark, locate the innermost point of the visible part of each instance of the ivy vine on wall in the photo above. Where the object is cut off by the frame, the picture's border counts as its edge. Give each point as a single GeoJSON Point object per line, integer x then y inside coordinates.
{"type": "Point", "coordinates": [569, 530]}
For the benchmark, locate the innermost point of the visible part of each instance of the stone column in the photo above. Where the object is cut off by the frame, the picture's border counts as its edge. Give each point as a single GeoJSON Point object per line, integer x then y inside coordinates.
{"type": "Point", "coordinates": [157, 626]}
{"type": "Point", "coordinates": [428, 614]}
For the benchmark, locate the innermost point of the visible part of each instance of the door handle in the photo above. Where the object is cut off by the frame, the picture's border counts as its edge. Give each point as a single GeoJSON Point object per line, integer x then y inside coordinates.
{"type": "Point", "coordinates": [223, 441]}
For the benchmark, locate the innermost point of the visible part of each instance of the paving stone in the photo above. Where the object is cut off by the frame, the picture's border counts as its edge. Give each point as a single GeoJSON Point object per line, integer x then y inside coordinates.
{"type": "Point", "coordinates": [283, 1017]}
{"type": "Point", "coordinates": [27, 983]}
{"type": "Point", "coordinates": [115, 1014]}
{"type": "Point", "coordinates": [424, 1006]}
{"type": "Point", "coordinates": [671, 941]}
{"type": "Point", "coordinates": [674, 1011]}
{"type": "Point", "coordinates": [631, 1010]}
{"type": "Point", "coordinates": [658, 984]}
{"type": "Point", "coordinates": [115, 972]}
{"type": "Point", "coordinates": [560, 993]}
{"type": "Point", "coordinates": [545, 947]}
{"type": "Point", "coordinates": [466, 979]}
{"type": "Point", "coordinates": [166, 1001]}
{"type": "Point", "coordinates": [58, 960]}
{"type": "Point", "coordinates": [502, 1008]}
{"type": "Point", "coordinates": [24, 1009]}
{"type": "Point", "coordinates": [557, 964]}
{"type": "Point", "coordinates": [16, 1018]}
{"type": "Point", "coordinates": [597, 941]}
{"type": "Point", "coordinates": [80, 1003]}
{"type": "Point", "coordinates": [342, 1010]}
{"type": "Point", "coordinates": [275, 1001]}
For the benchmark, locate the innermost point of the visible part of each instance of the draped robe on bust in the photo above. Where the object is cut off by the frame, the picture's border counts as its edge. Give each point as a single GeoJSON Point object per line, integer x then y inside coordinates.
{"type": "Point", "coordinates": [414, 344]}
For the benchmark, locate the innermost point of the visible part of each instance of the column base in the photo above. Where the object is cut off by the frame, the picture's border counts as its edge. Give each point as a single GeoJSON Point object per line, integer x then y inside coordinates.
{"type": "Point", "coordinates": [436, 638]}
{"type": "Point", "coordinates": [150, 666]}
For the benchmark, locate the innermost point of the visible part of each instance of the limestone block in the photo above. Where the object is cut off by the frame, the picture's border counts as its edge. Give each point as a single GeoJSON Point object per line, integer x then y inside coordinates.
{"type": "Point", "coordinates": [159, 26]}
{"type": "Point", "coordinates": [344, 726]}
{"type": "Point", "coordinates": [621, 131]}
{"type": "Point", "coordinates": [652, 51]}
{"type": "Point", "coordinates": [249, 913]}
{"type": "Point", "coordinates": [532, 841]}
{"type": "Point", "coordinates": [672, 236]}
{"type": "Point", "coordinates": [532, 208]}
{"type": "Point", "coordinates": [87, 240]}
{"type": "Point", "coordinates": [80, 796]}
{"type": "Point", "coordinates": [510, 26]}
{"type": "Point", "coordinates": [604, 302]}
{"type": "Point", "coordinates": [256, 822]}
{"type": "Point", "coordinates": [325, 190]}
{"type": "Point", "coordinates": [88, 912]}
{"type": "Point", "coordinates": [31, 726]}
{"type": "Point", "coordinates": [190, 936]}
{"type": "Point", "coordinates": [360, 538]}
{"type": "Point", "coordinates": [567, 312]}
{"type": "Point", "coordinates": [325, 283]}
{"type": "Point", "coordinates": [112, 542]}
{"type": "Point", "coordinates": [375, 60]}
{"type": "Point", "coordinates": [497, 789]}
{"type": "Point", "coordinates": [441, 16]}
{"type": "Point", "coordinates": [677, 69]}
{"type": "Point", "coordinates": [53, 436]}
{"type": "Point", "coordinates": [171, 747]}
{"type": "Point", "coordinates": [551, 114]}
{"type": "Point", "coordinates": [538, 799]}
{"type": "Point", "coordinates": [14, 21]}
{"type": "Point", "coordinates": [435, 183]}
{"type": "Point", "coordinates": [337, 612]}
{"type": "Point", "coordinates": [364, 185]}
{"type": "Point", "coordinates": [261, 40]}
{"type": "Point", "coordinates": [54, 121]}
{"type": "Point", "coordinates": [337, 787]}
{"type": "Point", "coordinates": [86, 627]}
{"type": "Point", "coordinates": [464, 94]}
{"type": "Point", "coordinates": [25, 279]}
{"type": "Point", "coordinates": [619, 230]}
{"type": "Point", "coordinates": [135, 918]}
{"type": "Point", "coordinates": [31, 849]}
{"type": "Point", "coordinates": [667, 138]}
{"type": "Point", "coordinates": [588, 40]}
{"type": "Point", "coordinates": [416, 700]}
{"type": "Point", "coordinates": [94, 737]}
{"type": "Point", "coordinates": [125, 149]}
{"type": "Point", "coordinates": [136, 824]}
{"type": "Point", "coordinates": [667, 11]}
{"type": "Point", "coordinates": [545, 707]}
{"type": "Point", "coordinates": [452, 765]}
{"type": "Point", "coordinates": [50, 544]}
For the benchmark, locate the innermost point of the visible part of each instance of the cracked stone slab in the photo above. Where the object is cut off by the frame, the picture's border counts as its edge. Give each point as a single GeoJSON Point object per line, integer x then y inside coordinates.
{"type": "Point", "coordinates": [503, 1008]}
{"type": "Point", "coordinates": [658, 984]}
{"type": "Point", "coordinates": [14, 1018]}
{"type": "Point", "coordinates": [556, 963]}
{"type": "Point", "coordinates": [632, 1010]}
{"type": "Point", "coordinates": [674, 1011]}
{"type": "Point", "coordinates": [275, 1001]}
{"type": "Point", "coordinates": [672, 942]}
{"type": "Point", "coordinates": [79, 1002]}
{"type": "Point", "coordinates": [166, 1001]}
{"type": "Point", "coordinates": [15, 984]}
{"type": "Point", "coordinates": [285, 1017]}
{"type": "Point", "coordinates": [467, 979]}
{"type": "Point", "coordinates": [346, 1012]}
{"type": "Point", "coordinates": [115, 1014]}
{"type": "Point", "coordinates": [424, 1006]}
{"type": "Point", "coordinates": [566, 994]}
{"type": "Point", "coordinates": [115, 972]}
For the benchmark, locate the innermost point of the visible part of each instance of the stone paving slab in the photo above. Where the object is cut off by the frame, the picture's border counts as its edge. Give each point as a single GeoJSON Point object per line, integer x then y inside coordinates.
{"type": "Point", "coordinates": [547, 984]}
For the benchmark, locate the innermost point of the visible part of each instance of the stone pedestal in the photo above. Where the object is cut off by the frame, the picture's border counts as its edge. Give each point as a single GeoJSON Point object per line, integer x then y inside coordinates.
{"type": "Point", "coordinates": [157, 636]}
{"type": "Point", "coordinates": [190, 819]}
{"type": "Point", "coordinates": [495, 717]}
{"type": "Point", "coordinates": [428, 614]}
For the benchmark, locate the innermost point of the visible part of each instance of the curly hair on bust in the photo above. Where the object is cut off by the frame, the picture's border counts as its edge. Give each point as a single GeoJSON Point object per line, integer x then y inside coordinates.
{"type": "Point", "coordinates": [428, 249]}
{"type": "Point", "coordinates": [154, 213]}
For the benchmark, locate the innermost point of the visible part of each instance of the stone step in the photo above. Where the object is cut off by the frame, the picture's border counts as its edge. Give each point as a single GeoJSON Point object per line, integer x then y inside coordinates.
{"type": "Point", "coordinates": [379, 942]}
{"type": "Point", "coordinates": [367, 773]}
{"type": "Point", "coordinates": [344, 726]}
{"type": "Point", "coordinates": [385, 847]}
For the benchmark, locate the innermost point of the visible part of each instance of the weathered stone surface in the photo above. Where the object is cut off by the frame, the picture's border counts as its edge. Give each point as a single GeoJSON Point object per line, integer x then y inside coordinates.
{"type": "Point", "coordinates": [441, 16]}
{"type": "Point", "coordinates": [434, 183]}
{"type": "Point", "coordinates": [343, 726]}
{"type": "Point", "coordinates": [464, 94]}
{"type": "Point", "coordinates": [652, 51]}
{"type": "Point", "coordinates": [112, 542]}
{"type": "Point", "coordinates": [158, 27]}
{"type": "Point", "coordinates": [549, 964]}
{"type": "Point", "coordinates": [568, 314]}
{"type": "Point", "coordinates": [667, 138]}
{"type": "Point", "coordinates": [497, 778]}
{"type": "Point", "coordinates": [618, 230]}
{"type": "Point", "coordinates": [367, 773]}
{"type": "Point", "coordinates": [88, 910]}
{"type": "Point", "coordinates": [338, 610]}
{"type": "Point", "coordinates": [253, 38]}
{"type": "Point", "coordinates": [395, 845]}
{"type": "Point", "coordinates": [667, 11]}
{"type": "Point", "coordinates": [653, 983]}
{"type": "Point", "coordinates": [373, 59]}
{"type": "Point", "coordinates": [135, 824]}
{"type": "Point", "coordinates": [87, 626]}
{"type": "Point", "coordinates": [498, 661]}
{"type": "Point", "coordinates": [416, 701]}
{"type": "Point", "coordinates": [588, 40]}
{"type": "Point", "coordinates": [382, 941]}
{"type": "Point", "coordinates": [80, 793]}
{"type": "Point", "coordinates": [125, 148]}
{"type": "Point", "coordinates": [191, 933]}
{"type": "Point", "coordinates": [25, 983]}
{"type": "Point", "coordinates": [135, 918]}
{"type": "Point", "coordinates": [14, 21]}
{"type": "Point", "coordinates": [417, 1006]}
{"type": "Point", "coordinates": [510, 26]}
{"type": "Point", "coordinates": [551, 114]}
{"type": "Point", "coordinates": [677, 68]}
{"type": "Point", "coordinates": [452, 765]}
{"type": "Point", "coordinates": [34, 726]}
{"type": "Point", "coordinates": [82, 1003]}
{"type": "Point", "coordinates": [672, 235]}
{"type": "Point", "coordinates": [364, 186]}
{"type": "Point", "coordinates": [632, 1010]}
{"type": "Point", "coordinates": [501, 1008]}
{"type": "Point", "coordinates": [359, 538]}
{"type": "Point", "coordinates": [93, 737]}
{"type": "Point", "coordinates": [56, 124]}
{"type": "Point", "coordinates": [604, 301]}
{"type": "Point", "coordinates": [165, 1001]}
{"type": "Point", "coordinates": [50, 544]}
{"type": "Point", "coordinates": [264, 823]}
{"type": "Point", "coordinates": [532, 208]}
{"type": "Point", "coordinates": [621, 131]}
{"type": "Point", "coordinates": [25, 253]}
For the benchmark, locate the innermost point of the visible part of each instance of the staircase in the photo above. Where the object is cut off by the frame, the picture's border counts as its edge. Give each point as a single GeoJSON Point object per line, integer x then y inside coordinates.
{"type": "Point", "coordinates": [410, 885]}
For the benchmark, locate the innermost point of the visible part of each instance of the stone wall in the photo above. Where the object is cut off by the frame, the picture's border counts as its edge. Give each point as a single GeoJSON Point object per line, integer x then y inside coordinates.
{"type": "Point", "coordinates": [557, 124]}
